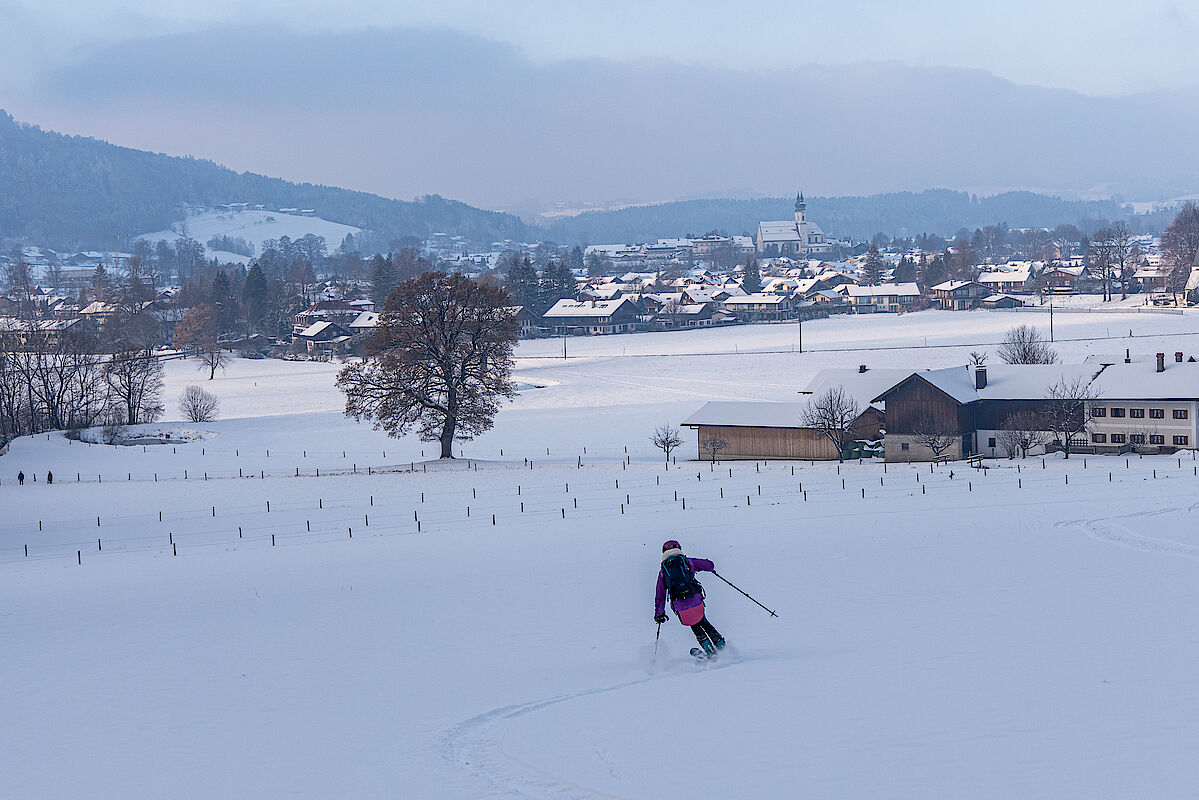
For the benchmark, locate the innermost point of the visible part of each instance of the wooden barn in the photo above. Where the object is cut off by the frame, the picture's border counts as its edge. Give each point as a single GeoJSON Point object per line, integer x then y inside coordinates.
{"type": "Point", "coordinates": [769, 430]}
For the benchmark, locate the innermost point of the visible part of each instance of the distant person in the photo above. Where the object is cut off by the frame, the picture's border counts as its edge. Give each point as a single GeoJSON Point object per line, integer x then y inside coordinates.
{"type": "Point", "coordinates": [676, 578]}
{"type": "Point", "coordinates": [21, 478]}
{"type": "Point", "coordinates": [49, 476]}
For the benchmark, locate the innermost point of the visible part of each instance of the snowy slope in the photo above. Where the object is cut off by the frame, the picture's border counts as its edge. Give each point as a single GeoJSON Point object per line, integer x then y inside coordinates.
{"type": "Point", "coordinates": [253, 226]}
{"type": "Point", "coordinates": [941, 633]}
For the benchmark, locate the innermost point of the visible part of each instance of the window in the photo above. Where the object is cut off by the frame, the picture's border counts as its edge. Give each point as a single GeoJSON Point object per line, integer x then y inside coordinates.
{"type": "Point", "coordinates": [1098, 412]}
{"type": "Point", "coordinates": [1117, 438]}
{"type": "Point", "coordinates": [903, 445]}
{"type": "Point", "coordinates": [1136, 438]}
{"type": "Point", "coordinates": [1117, 412]}
{"type": "Point", "coordinates": [1181, 441]}
{"type": "Point", "coordinates": [1099, 438]}
{"type": "Point", "coordinates": [1136, 413]}
{"type": "Point", "coordinates": [1180, 413]}
{"type": "Point", "coordinates": [1156, 438]}
{"type": "Point", "coordinates": [991, 441]}
{"type": "Point", "coordinates": [1157, 413]}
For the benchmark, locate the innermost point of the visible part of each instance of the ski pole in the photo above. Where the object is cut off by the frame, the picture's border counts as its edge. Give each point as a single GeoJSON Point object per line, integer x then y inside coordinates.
{"type": "Point", "coordinates": [738, 588]}
{"type": "Point", "coordinates": [656, 635]}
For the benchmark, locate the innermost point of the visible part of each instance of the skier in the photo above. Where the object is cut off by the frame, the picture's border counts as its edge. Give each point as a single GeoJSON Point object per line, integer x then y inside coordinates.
{"type": "Point", "coordinates": [677, 578]}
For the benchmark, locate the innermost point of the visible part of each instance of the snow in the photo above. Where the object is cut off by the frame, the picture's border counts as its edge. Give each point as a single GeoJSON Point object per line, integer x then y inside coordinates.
{"type": "Point", "coordinates": [986, 635]}
{"type": "Point", "coordinates": [749, 415]}
{"type": "Point", "coordinates": [253, 226]}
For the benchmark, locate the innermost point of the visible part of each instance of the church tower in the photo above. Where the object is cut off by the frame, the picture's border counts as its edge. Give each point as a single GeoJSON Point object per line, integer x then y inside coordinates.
{"type": "Point", "coordinates": [801, 223]}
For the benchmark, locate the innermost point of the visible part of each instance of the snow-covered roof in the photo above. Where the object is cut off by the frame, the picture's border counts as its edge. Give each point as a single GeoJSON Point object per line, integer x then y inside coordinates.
{"type": "Point", "coordinates": [949, 286]}
{"type": "Point", "coordinates": [317, 328]}
{"type": "Point", "coordinates": [779, 231]}
{"type": "Point", "coordinates": [756, 299]}
{"type": "Point", "coordinates": [885, 290]}
{"type": "Point", "coordinates": [1004, 276]}
{"type": "Point", "coordinates": [1004, 381]}
{"type": "Point", "coordinates": [367, 319]}
{"type": "Point", "coordinates": [1140, 380]}
{"type": "Point", "coordinates": [863, 387]}
{"type": "Point", "coordinates": [588, 308]}
{"type": "Point", "coordinates": [748, 415]}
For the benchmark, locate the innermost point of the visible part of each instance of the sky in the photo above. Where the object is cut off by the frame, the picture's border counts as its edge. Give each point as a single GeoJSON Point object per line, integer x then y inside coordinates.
{"type": "Point", "coordinates": [538, 105]}
{"type": "Point", "coordinates": [1092, 46]}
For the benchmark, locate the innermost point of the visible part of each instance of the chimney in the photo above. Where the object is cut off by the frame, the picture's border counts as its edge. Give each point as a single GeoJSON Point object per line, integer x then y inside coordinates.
{"type": "Point", "coordinates": [980, 377]}
{"type": "Point", "coordinates": [1178, 357]}
{"type": "Point", "coordinates": [861, 368]}
{"type": "Point", "coordinates": [1127, 355]}
{"type": "Point", "coordinates": [1161, 362]}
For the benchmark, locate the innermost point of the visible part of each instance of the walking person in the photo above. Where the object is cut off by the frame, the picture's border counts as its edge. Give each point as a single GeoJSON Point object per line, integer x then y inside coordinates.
{"type": "Point", "coordinates": [49, 476]}
{"type": "Point", "coordinates": [21, 478]}
{"type": "Point", "coordinates": [676, 578]}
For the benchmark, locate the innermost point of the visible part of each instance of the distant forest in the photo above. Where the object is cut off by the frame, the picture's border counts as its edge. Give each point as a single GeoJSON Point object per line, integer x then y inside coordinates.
{"type": "Point", "coordinates": [74, 192]}
{"type": "Point", "coordinates": [939, 211]}
{"type": "Point", "coordinates": [71, 192]}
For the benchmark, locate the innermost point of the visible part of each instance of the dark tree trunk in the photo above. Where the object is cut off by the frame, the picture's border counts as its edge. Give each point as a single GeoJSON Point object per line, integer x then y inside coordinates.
{"type": "Point", "coordinates": [447, 436]}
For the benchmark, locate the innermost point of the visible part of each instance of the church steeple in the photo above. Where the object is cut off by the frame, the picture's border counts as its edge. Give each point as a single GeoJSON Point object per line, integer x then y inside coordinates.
{"type": "Point", "coordinates": [800, 205]}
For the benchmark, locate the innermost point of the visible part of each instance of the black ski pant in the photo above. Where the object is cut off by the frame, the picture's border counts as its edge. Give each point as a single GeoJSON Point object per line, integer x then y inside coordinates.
{"type": "Point", "coordinates": [705, 630]}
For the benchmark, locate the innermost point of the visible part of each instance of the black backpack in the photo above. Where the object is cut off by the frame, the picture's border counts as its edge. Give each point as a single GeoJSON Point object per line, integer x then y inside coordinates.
{"type": "Point", "coordinates": [680, 578]}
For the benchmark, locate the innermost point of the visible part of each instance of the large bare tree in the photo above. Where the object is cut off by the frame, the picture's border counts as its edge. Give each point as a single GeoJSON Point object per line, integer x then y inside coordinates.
{"type": "Point", "coordinates": [832, 414]}
{"type": "Point", "coordinates": [1024, 344]}
{"type": "Point", "coordinates": [1180, 242]}
{"type": "Point", "coordinates": [1067, 413]}
{"type": "Point", "coordinates": [439, 361]}
{"type": "Point", "coordinates": [135, 378]}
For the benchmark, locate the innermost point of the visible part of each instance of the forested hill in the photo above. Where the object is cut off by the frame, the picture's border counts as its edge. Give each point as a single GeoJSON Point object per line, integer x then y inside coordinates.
{"type": "Point", "coordinates": [940, 211]}
{"type": "Point", "coordinates": [70, 191]}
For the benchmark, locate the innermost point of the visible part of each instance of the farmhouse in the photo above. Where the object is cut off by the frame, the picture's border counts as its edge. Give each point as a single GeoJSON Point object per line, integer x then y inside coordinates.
{"type": "Point", "coordinates": [592, 316]}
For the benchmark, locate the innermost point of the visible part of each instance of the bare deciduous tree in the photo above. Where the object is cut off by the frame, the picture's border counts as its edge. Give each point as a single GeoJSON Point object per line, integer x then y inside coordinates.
{"type": "Point", "coordinates": [832, 415]}
{"type": "Point", "coordinates": [135, 378]}
{"type": "Point", "coordinates": [1022, 431]}
{"type": "Point", "coordinates": [712, 445]}
{"type": "Point", "coordinates": [666, 438]}
{"type": "Point", "coordinates": [935, 433]}
{"type": "Point", "coordinates": [198, 405]}
{"type": "Point", "coordinates": [1067, 413]}
{"type": "Point", "coordinates": [200, 330]}
{"type": "Point", "coordinates": [439, 360]}
{"type": "Point", "coordinates": [1024, 344]}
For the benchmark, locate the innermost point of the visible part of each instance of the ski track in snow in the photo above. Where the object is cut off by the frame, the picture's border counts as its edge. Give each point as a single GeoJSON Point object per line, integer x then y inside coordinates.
{"type": "Point", "coordinates": [476, 744]}
{"type": "Point", "coordinates": [1111, 530]}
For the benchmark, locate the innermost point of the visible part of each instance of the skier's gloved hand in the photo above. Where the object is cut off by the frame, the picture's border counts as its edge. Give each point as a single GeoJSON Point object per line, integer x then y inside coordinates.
{"type": "Point", "coordinates": [660, 618]}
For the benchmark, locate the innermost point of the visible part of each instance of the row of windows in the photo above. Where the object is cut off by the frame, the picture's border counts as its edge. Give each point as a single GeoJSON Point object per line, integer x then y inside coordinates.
{"type": "Point", "coordinates": [1137, 438]}
{"type": "Point", "coordinates": [1139, 413]}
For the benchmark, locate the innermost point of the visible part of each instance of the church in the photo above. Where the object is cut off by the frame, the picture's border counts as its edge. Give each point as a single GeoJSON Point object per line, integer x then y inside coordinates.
{"type": "Point", "coordinates": [788, 237]}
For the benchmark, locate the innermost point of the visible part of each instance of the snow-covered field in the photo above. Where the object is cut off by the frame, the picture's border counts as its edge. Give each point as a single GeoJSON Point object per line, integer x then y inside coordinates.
{"type": "Point", "coordinates": [253, 226]}
{"type": "Point", "coordinates": [401, 627]}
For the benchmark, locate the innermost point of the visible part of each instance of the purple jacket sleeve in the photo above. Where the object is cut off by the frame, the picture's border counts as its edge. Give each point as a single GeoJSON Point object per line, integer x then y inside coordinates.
{"type": "Point", "coordinates": [660, 596]}
{"type": "Point", "coordinates": [701, 565]}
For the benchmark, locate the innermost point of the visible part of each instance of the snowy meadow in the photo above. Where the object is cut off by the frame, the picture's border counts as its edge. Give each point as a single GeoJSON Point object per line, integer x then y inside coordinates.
{"type": "Point", "coordinates": [287, 603]}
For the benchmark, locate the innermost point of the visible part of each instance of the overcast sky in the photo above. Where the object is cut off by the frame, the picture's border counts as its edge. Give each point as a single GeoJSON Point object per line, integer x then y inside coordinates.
{"type": "Point", "coordinates": [1092, 46]}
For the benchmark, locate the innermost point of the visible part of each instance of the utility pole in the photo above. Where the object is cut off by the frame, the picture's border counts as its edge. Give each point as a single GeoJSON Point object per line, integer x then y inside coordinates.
{"type": "Point", "coordinates": [801, 331]}
{"type": "Point", "coordinates": [1051, 318]}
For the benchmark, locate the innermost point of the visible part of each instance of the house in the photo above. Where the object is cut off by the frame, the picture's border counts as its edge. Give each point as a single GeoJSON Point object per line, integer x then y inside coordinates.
{"type": "Point", "coordinates": [970, 406]}
{"type": "Point", "coordinates": [592, 316]}
{"type": "Point", "coordinates": [1002, 301]}
{"type": "Point", "coordinates": [525, 319]}
{"type": "Point", "coordinates": [889, 297]}
{"type": "Point", "coordinates": [1061, 279]}
{"type": "Point", "coordinates": [1146, 404]}
{"type": "Point", "coordinates": [365, 322]}
{"type": "Point", "coordinates": [760, 306]}
{"type": "Point", "coordinates": [959, 295]}
{"type": "Point", "coordinates": [337, 311]}
{"type": "Point", "coordinates": [1007, 281]}
{"type": "Point", "coordinates": [325, 337]}
{"type": "Point", "coordinates": [688, 315]}
{"type": "Point", "coordinates": [1151, 278]}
